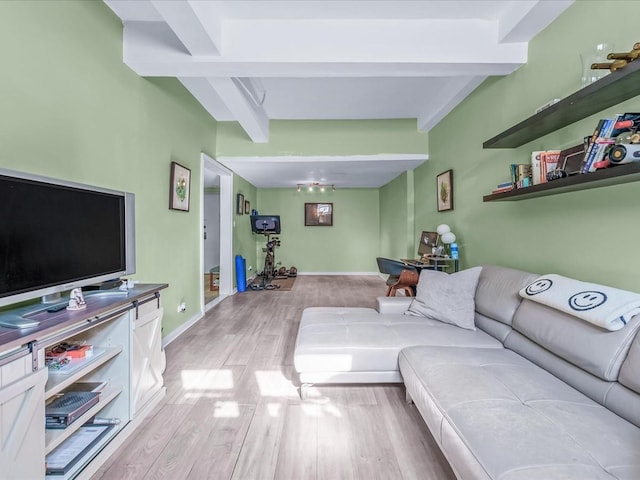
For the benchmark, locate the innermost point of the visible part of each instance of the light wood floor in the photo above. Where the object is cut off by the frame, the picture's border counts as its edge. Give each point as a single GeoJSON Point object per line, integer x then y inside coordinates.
{"type": "Point", "coordinates": [232, 410]}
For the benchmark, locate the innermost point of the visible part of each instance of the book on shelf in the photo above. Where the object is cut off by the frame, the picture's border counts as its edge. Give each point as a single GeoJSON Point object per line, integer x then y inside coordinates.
{"type": "Point", "coordinates": [548, 163]}
{"type": "Point", "coordinates": [521, 175]}
{"type": "Point", "coordinates": [542, 162]}
{"type": "Point", "coordinates": [502, 189]}
{"type": "Point", "coordinates": [535, 167]}
{"type": "Point", "coordinates": [599, 143]}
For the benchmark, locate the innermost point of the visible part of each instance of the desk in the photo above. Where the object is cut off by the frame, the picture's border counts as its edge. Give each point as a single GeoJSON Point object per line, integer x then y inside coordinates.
{"type": "Point", "coordinates": [434, 263]}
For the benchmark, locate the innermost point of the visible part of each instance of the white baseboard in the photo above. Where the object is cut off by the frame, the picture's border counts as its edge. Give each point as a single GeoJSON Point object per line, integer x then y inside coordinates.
{"type": "Point", "coordinates": [166, 340]}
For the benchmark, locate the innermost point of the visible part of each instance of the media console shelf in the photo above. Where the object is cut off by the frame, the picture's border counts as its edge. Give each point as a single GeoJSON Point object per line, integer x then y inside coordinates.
{"type": "Point", "coordinates": [127, 366]}
{"type": "Point", "coordinates": [601, 178]}
{"type": "Point", "coordinates": [610, 90]}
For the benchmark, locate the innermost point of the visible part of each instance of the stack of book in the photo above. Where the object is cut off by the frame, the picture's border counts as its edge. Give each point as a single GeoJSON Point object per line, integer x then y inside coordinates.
{"type": "Point", "coordinates": [503, 187]}
{"type": "Point", "coordinates": [543, 162]}
{"type": "Point", "coordinates": [599, 143]}
{"type": "Point", "coordinates": [521, 175]}
{"type": "Point", "coordinates": [604, 136]}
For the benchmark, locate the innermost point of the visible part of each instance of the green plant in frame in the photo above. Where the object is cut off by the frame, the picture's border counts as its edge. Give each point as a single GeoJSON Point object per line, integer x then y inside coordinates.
{"type": "Point", "coordinates": [444, 191]}
{"type": "Point", "coordinates": [180, 186]}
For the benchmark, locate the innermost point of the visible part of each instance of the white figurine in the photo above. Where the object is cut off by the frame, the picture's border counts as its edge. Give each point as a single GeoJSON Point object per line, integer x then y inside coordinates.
{"type": "Point", "coordinates": [76, 300]}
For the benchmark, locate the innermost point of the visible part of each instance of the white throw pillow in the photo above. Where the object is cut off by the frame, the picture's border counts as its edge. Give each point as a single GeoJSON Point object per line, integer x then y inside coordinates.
{"type": "Point", "coordinates": [449, 298]}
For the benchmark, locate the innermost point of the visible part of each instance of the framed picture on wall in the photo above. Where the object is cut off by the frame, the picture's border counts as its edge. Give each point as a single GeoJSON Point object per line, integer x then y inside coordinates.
{"type": "Point", "coordinates": [180, 185]}
{"type": "Point", "coordinates": [247, 207]}
{"type": "Point", "coordinates": [240, 204]}
{"type": "Point", "coordinates": [318, 214]}
{"type": "Point", "coordinates": [444, 191]}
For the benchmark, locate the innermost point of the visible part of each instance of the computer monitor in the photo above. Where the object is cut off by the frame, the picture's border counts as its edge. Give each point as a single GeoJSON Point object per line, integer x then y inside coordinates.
{"type": "Point", "coordinates": [428, 241]}
{"type": "Point", "coordinates": [267, 224]}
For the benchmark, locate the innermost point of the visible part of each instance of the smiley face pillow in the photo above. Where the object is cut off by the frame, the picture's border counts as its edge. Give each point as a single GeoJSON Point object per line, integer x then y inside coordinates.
{"type": "Point", "coordinates": [607, 307]}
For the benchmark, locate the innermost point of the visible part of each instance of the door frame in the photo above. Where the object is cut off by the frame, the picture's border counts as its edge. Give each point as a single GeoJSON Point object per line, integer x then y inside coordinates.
{"type": "Point", "coordinates": [226, 230]}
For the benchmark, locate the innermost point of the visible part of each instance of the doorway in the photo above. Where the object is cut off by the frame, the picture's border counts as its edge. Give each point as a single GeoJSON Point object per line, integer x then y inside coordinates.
{"type": "Point", "coordinates": [216, 207]}
{"type": "Point", "coordinates": [211, 236]}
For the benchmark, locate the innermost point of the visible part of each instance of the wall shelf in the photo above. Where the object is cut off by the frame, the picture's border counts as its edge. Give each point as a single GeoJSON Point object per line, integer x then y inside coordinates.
{"type": "Point", "coordinates": [610, 90]}
{"type": "Point", "coordinates": [629, 172]}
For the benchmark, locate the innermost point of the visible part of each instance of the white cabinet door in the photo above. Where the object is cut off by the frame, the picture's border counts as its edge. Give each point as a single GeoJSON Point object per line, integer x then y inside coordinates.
{"type": "Point", "coordinates": [147, 356]}
{"type": "Point", "coordinates": [22, 419]}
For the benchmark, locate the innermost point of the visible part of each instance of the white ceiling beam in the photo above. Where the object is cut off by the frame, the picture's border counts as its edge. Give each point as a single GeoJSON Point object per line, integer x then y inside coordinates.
{"type": "Point", "coordinates": [199, 35]}
{"type": "Point", "coordinates": [251, 117]}
{"type": "Point", "coordinates": [202, 90]}
{"type": "Point", "coordinates": [525, 19]}
{"type": "Point", "coordinates": [453, 93]}
{"type": "Point", "coordinates": [322, 49]}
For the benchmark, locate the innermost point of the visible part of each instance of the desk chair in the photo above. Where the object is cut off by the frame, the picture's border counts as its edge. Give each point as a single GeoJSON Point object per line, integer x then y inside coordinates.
{"type": "Point", "coordinates": [401, 276]}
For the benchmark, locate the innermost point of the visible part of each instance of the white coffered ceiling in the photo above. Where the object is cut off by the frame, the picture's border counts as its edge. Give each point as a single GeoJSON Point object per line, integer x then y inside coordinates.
{"type": "Point", "coordinates": [256, 61]}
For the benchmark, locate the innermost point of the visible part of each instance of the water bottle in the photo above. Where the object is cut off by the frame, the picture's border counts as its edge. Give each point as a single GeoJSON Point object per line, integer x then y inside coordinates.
{"type": "Point", "coordinates": [454, 251]}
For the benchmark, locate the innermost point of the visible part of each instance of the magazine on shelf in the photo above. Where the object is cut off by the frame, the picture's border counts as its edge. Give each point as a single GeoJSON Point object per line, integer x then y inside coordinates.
{"type": "Point", "coordinates": [67, 454]}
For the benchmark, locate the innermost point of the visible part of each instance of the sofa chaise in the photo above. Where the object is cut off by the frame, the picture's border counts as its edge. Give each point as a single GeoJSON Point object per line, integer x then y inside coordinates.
{"type": "Point", "coordinates": [531, 393]}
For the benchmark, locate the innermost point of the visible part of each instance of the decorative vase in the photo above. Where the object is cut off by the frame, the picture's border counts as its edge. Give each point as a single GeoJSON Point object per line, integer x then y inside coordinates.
{"type": "Point", "coordinates": [595, 55]}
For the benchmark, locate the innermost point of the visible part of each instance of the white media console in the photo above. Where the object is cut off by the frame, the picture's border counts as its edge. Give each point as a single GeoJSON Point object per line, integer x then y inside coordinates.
{"type": "Point", "coordinates": [125, 332]}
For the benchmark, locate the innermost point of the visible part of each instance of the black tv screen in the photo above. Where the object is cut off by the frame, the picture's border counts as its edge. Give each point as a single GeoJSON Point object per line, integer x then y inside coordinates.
{"type": "Point", "coordinates": [55, 235]}
{"type": "Point", "coordinates": [265, 224]}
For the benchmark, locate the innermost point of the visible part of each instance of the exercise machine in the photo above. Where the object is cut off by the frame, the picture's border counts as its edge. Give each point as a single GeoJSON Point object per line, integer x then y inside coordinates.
{"type": "Point", "coordinates": [267, 225]}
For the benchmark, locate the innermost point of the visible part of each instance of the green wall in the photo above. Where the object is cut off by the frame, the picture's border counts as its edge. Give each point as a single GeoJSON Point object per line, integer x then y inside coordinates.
{"type": "Point", "coordinates": [350, 245]}
{"type": "Point", "coordinates": [243, 241]}
{"type": "Point", "coordinates": [397, 218]}
{"type": "Point", "coordinates": [71, 109]}
{"type": "Point", "coordinates": [354, 242]}
{"type": "Point", "coordinates": [591, 235]}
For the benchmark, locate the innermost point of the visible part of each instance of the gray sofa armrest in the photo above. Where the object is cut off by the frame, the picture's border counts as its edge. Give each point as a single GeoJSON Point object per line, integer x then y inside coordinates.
{"type": "Point", "coordinates": [393, 305]}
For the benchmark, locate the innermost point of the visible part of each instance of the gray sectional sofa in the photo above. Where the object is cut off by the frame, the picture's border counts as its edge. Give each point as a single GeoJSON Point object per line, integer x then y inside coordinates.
{"type": "Point", "coordinates": [531, 393]}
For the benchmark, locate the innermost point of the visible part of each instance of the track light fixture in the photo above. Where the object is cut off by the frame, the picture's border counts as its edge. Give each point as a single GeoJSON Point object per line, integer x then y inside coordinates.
{"type": "Point", "coordinates": [313, 185]}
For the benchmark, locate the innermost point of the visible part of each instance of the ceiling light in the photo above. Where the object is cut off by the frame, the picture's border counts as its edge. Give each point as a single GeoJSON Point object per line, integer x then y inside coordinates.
{"type": "Point", "coordinates": [310, 186]}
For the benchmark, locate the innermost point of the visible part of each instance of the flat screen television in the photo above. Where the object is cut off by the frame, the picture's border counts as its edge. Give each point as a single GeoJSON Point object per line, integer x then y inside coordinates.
{"type": "Point", "coordinates": [57, 235]}
{"type": "Point", "coordinates": [268, 224]}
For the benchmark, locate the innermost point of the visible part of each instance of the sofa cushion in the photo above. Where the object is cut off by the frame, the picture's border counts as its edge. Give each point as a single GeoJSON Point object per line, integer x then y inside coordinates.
{"type": "Point", "coordinates": [497, 413]}
{"type": "Point", "coordinates": [448, 298]}
{"type": "Point", "coordinates": [361, 339]}
{"type": "Point", "coordinates": [497, 294]}
{"type": "Point", "coordinates": [630, 371]}
{"type": "Point", "coordinates": [597, 351]}
{"type": "Point", "coordinates": [393, 304]}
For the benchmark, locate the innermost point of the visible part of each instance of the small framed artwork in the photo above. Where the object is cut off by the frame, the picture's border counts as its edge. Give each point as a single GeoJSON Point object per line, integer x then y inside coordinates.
{"type": "Point", "coordinates": [247, 207]}
{"type": "Point", "coordinates": [444, 191]}
{"type": "Point", "coordinates": [428, 243]}
{"type": "Point", "coordinates": [240, 204]}
{"type": "Point", "coordinates": [318, 214]}
{"type": "Point", "coordinates": [180, 187]}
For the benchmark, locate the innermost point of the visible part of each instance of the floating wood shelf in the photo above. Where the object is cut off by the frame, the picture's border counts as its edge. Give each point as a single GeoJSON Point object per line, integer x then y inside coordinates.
{"type": "Point", "coordinates": [610, 90]}
{"type": "Point", "coordinates": [601, 178]}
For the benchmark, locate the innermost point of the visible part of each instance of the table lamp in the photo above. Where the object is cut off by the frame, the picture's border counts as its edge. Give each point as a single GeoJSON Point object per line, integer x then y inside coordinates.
{"type": "Point", "coordinates": [445, 237]}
